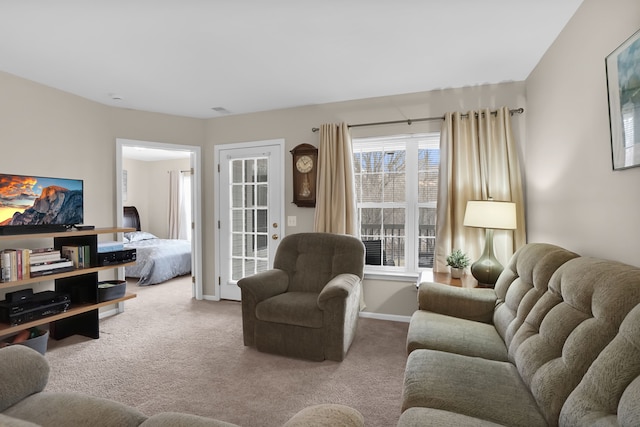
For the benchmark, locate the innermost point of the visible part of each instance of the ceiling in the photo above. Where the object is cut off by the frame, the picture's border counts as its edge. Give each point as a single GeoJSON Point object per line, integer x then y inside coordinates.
{"type": "Point", "coordinates": [189, 57]}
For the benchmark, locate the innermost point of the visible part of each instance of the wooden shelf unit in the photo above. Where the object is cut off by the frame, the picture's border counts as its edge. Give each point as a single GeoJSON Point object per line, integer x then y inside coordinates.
{"type": "Point", "coordinates": [81, 284]}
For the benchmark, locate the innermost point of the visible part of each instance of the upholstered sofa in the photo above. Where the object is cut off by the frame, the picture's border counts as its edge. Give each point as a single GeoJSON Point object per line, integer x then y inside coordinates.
{"type": "Point", "coordinates": [557, 342]}
{"type": "Point", "coordinates": [23, 403]}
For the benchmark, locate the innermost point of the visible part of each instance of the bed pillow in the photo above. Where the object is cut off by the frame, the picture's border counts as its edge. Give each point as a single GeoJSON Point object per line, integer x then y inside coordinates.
{"type": "Point", "coordinates": [136, 236]}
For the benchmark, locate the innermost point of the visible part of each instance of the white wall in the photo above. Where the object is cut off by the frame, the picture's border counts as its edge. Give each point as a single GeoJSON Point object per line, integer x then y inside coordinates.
{"type": "Point", "coordinates": [574, 198]}
{"type": "Point", "coordinates": [148, 191]}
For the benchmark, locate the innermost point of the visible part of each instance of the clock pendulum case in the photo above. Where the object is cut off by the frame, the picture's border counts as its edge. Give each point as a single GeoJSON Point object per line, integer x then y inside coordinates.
{"type": "Point", "coordinates": [305, 159]}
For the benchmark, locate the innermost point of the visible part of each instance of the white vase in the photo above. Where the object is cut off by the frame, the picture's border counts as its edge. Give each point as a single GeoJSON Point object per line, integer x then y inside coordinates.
{"type": "Point", "coordinates": [456, 273]}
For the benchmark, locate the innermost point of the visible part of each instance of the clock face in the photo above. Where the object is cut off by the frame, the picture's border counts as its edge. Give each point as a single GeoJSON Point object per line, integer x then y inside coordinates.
{"type": "Point", "coordinates": [304, 164]}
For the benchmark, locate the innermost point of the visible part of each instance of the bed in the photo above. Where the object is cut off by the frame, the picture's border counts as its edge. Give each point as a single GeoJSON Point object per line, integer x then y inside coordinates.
{"type": "Point", "coordinates": [157, 260]}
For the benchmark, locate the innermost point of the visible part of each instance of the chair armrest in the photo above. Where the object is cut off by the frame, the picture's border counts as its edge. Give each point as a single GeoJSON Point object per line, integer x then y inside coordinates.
{"type": "Point", "coordinates": [23, 372]}
{"type": "Point", "coordinates": [340, 286]}
{"type": "Point", "coordinates": [466, 303]}
{"type": "Point", "coordinates": [266, 284]}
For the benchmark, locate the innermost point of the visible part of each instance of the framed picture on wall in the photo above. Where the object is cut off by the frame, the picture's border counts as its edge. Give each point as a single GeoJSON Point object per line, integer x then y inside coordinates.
{"type": "Point", "coordinates": [623, 86]}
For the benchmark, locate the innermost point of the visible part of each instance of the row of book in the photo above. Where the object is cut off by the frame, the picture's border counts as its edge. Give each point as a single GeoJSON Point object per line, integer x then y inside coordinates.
{"type": "Point", "coordinates": [20, 264]}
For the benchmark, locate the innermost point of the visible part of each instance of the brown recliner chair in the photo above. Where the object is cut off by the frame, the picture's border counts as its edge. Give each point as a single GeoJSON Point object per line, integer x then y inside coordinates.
{"type": "Point", "coordinates": [307, 306]}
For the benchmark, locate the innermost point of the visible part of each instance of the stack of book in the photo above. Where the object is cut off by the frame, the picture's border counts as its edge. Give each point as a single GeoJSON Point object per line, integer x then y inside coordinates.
{"type": "Point", "coordinates": [14, 264]}
{"type": "Point", "coordinates": [47, 261]}
{"type": "Point", "coordinates": [78, 254]}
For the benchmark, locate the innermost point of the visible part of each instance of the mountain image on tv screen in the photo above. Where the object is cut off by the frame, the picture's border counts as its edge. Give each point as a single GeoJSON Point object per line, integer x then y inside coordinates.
{"type": "Point", "coordinates": [33, 200]}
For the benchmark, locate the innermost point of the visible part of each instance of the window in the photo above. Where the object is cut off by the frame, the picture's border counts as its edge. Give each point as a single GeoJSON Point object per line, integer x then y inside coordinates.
{"type": "Point", "coordinates": [396, 191]}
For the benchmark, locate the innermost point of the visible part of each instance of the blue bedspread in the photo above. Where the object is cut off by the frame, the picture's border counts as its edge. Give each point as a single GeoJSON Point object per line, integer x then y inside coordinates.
{"type": "Point", "coordinates": [157, 260]}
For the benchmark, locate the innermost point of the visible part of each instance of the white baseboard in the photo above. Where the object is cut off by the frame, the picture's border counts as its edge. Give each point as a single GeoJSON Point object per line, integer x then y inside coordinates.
{"type": "Point", "coordinates": [380, 316]}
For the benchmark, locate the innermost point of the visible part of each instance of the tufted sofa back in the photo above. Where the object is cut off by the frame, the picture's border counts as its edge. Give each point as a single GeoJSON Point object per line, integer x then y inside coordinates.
{"type": "Point", "coordinates": [522, 283]}
{"type": "Point", "coordinates": [567, 329]}
{"type": "Point", "coordinates": [313, 259]}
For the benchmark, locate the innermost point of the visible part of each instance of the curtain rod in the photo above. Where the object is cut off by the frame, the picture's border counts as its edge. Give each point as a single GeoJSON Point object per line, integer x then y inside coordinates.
{"type": "Point", "coordinates": [424, 119]}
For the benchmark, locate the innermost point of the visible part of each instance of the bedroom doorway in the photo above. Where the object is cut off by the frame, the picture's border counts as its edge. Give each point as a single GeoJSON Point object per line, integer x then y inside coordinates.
{"type": "Point", "coordinates": [249, 211]}
{"type": "Point", "coordinates": [163, 157]}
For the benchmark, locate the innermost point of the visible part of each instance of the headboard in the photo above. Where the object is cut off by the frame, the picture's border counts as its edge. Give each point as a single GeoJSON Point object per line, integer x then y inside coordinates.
{"type": "Point", "coordinates": [130, 217]}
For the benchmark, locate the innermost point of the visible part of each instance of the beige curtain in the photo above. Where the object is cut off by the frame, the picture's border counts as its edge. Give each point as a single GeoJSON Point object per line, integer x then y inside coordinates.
{"type": "Point", "coordinates": [478, 160]}
{"type": "Point", "coordinates": [335, 192]}
{"type": "Point", "coordinates": [174, 204]}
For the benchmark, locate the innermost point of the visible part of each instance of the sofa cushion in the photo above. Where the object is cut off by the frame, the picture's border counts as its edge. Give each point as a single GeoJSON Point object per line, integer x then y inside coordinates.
{"type": "Point", "coordinates": [522, 283]}
{"type": "Point", "coordinates": [291, 308]}
{"type": "Point", "coordinates": [486, 389]}
{"type": "Point", "coordinates": [610, 390]}
{"type": "Point", "coordinates": [23, 371]}
{"type": "Point", "coordinates": [74, 409]}
{"type": "Point", "coordinates": [446, 333]}
{"type": "Point", "coordinates": [570, 325]}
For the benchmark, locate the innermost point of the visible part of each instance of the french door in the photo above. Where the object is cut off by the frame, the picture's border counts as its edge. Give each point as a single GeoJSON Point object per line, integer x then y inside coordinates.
{"type": "Point", "coordinates": [250, 207]}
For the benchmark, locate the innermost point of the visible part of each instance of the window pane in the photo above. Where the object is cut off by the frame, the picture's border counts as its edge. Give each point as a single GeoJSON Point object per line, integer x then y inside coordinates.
{"type": "Point", "coordinates": [237, 225]}
{"type": "Point", "coordinates": [236, 196]}
{"type": "Point", "coordinates": [262, 195]}
{"type": "Point", "coordinates": [262, 220]}
{"type": "Point", "coordinates": [262, 169]}
{"type": "Point", "coordinates": [236, 250]}
{"type": "Point", "coordinates": [263, 246]}
{"type": "Point", "coordinates": [372, 185]}
{"type": "Point", "coordinates": [236, 171]}
{"type": "Point", "coordinates": [249, 200]}
{"type": "Point", "coordinates": [370, 222]}
{"type": "Point", "coordinates": [394, 187]}
{"type": "Point", "coordinates": [250, 249]}
{"type": "Point", "coordinates": [249, 171]}
{"type": "Point", "coordinates": [426, 236]}
{"type": "Point", "coordinates": [248, 221]}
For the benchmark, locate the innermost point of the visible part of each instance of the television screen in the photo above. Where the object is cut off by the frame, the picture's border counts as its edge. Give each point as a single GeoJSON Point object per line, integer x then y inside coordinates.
{"type": "Point", "coordinates": [29, 201]}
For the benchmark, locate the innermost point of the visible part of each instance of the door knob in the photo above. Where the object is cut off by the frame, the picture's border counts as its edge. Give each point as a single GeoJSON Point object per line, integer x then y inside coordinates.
{"type": "Point", "coordinates": [274, 237]}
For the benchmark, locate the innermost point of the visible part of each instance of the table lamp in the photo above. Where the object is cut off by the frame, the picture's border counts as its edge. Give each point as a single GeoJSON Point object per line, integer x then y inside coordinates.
{"type": "Point", "coordinates": [490, 215]}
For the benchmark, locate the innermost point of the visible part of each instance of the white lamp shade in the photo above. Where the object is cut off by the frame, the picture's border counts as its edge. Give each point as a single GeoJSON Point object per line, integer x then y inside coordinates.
{"type": "Point", "coordinates": [490, 214]}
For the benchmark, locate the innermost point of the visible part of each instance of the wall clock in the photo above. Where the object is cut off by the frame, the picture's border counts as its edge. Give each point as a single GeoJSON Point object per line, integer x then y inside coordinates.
{"type": "Point", "coordinates": [305, 159]}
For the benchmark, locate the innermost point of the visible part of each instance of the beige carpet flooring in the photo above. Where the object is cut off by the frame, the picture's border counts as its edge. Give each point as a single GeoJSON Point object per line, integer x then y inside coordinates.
{"type": "Point", "coordinates": [169, 352]}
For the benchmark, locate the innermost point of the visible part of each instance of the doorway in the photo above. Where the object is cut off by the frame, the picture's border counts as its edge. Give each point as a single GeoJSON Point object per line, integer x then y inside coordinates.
{"type": "Point", "coordinates": [249, 210]}
{"type": "Point", "coordinates": [192, 154]}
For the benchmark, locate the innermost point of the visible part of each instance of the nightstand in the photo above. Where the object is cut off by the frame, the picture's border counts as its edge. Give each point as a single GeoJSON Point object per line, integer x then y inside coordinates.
{"type": "Point", "coordinates": [467, 280]}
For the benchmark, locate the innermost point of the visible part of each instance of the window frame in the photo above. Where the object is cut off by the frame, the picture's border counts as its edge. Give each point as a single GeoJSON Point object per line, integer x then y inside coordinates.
{"type": "Point", "coordinates": [411, 203]}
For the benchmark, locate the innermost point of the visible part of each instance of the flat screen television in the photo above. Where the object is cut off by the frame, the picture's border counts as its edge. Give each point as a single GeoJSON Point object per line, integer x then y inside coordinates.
{"type": "Point", "coordinates": [33, 204]}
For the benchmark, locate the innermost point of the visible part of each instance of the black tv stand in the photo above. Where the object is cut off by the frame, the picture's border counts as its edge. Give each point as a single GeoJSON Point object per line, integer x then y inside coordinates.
{"type": "Point", "coordinates": [33, 229]}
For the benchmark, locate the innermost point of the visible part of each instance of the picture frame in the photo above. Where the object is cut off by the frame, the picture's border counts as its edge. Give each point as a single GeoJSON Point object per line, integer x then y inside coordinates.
{"type": "Point", "coordinates": [623, 87]}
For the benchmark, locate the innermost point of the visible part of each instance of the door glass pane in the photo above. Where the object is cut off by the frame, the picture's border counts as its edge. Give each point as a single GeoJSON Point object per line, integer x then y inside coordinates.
{"type": "Point", "coordinates": [249, 216]}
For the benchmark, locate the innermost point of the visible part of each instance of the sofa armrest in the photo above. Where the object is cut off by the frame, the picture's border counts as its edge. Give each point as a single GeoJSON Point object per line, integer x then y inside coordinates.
{"type": "Point", "coordinates": [266, 284]}
{"type": "Point", "coordinates": [23, 372]}
{"type": "Point", "coordinates": [466, 303]}
{"type": "Point", "coordinates": [340, 286]}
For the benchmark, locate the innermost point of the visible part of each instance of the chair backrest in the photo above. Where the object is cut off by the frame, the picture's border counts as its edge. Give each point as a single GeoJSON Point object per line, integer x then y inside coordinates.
{"type": "Point", "coordinates": [313, 259]}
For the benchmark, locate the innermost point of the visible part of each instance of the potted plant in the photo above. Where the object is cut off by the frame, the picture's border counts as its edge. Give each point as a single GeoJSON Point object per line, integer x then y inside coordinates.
{"type": "Point", "coordinates": [458, 261]}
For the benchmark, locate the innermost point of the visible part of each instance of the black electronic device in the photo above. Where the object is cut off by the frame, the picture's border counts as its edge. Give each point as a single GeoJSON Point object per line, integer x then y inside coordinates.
{"type": "Point", "coordinates": [39, 305]}
{"type": "Point", "coordinates": [116, 257]}
{"type": "Point", "coordinates": [81, 227]}
{"type": "Point", "coordinates": [19, 296]}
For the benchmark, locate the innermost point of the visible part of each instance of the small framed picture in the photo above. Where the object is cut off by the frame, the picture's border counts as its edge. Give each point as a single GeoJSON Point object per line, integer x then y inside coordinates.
{"type": "Point", "coordinates": [623, 85]}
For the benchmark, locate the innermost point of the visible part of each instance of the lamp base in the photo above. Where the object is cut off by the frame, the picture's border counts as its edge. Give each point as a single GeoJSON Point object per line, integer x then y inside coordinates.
{"type": "Point", "coordinates": [487, 269]}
